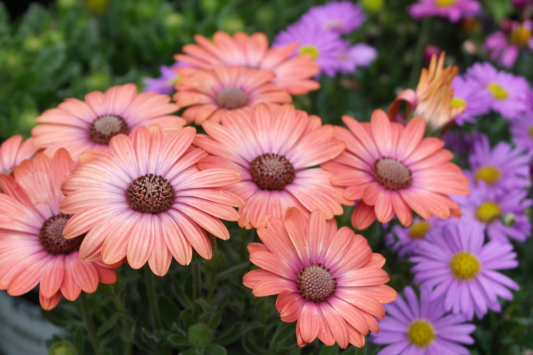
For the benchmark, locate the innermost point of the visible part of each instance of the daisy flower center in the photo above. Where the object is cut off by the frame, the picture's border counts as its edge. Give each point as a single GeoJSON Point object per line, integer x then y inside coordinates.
{"type": "Point", "coordinates": [487, 211]}
{"type": "Point", "coordinates": [444, 3]}
{"type": "Point", "coordinates": [311, 50]}
{"type": "Point", "coordinates": [457, 102]}
{"type": "Point", "coordinates": [315, 283]}
{"type": "Point", "coordinates": [520, 36]}
{"type": "Point", "coordinates": [51, 236]}
{"type": "Point", "coordinates": [392, 174]}
{"type": "Point", "coordinates": [498, 92]}
{"type": "Point", "coordinates": [231, 98]}
{"type": "Point", "coordinates": [489, 174]}
{"type": "Point", "coordinates": [272, 171]}
{"type": "Point", "coordinates": [464, 266]}
{"type": "Point", "coordinates": [418, 230]}
{"type": "Point", "coordinates": [106, 127]}
{"type": "Point", "coordinates": [420, 333]}
{"type": "Point", "coordinates": [150, 194]}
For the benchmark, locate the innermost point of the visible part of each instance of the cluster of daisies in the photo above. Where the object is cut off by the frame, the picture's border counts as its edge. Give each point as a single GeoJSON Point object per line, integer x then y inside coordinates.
{"type": "Point", "coordinates": [318, 35]}
{"type": "Point", "coordinates": [119, 178]}
{"type": "Point", "coordinates": [457, 263]}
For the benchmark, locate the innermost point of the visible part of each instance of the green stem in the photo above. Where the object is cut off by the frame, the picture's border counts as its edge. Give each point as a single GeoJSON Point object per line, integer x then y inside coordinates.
{"type": "Point", "coordinates": [243, 244]}
{"type": "Point", "coordinates": [418, 58]}
{"type": "Point", "coordinates": [152, 301]}
{"type": "Point", "coordinates": [86, 313]}
{"type": "Point", "coordinates": [117, 301]}
{"type": "Point", "coordinates": [196, 279]}
{"type": "Point", "coordinates": [263, 321]}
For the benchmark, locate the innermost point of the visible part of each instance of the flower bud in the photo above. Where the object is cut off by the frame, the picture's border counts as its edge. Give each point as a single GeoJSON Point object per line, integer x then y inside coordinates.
{"type": "Point", "coordinates": [200, 334]}
{"type": "Point", "coordinates": [508, 219]}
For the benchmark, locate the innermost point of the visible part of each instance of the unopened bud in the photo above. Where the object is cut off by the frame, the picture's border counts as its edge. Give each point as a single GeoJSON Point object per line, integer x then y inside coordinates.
{"type": "Point", "coordinates": [508, 219]}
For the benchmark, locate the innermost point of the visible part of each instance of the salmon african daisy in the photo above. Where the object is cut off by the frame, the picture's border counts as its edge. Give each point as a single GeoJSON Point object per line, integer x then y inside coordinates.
{"type": "Point", "coordinates": [275, 152]}
{"type": "Point", "coordinates": [393, 169]}
{"type": "Point", "coordinates": [208, 94]}
{"type": "Point", "coordinates": [148, 201]}
{"type": "Point", "coordinates": [327, 279]}
{"type": "Point", "coordinates": [13, 151]}
{"type": "Point", "coordinates": [292, 73]}
{"type": "Point", "coordinates": [33, 250]}
{"type": "Point", "coordinates": [78, 126]}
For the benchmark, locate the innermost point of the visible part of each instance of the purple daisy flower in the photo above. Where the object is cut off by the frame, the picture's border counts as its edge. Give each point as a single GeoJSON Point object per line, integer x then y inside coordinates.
{"type": "Point", "coordinates": [341, 17]}
{"type": "Point", "coordinates": [466, 93]}
{"type": "Point", "coordinates": [463, 270]}
{"type": "Point", "coordinates": [165, 83]}
{"type": "Point", "coordinates": [505, 93]}
{"type": "Point", "coordinates": [323, 46]}
{"type": "Point", "coordinates": [504, 47]}
{"type": "Point", "coordinates": [522, 132]}
{"type": "Point", "coordinates": [500, 212]}
{"type": "Point", "coordinates": [359, 55]}
{"type": "Point", "coordinates": [405, 240]}
{"type": "Point", "coordinates": [501, 167]}
{"type": "Point", "coordinates": [413, 327]}
{"type": "Point", "coordinates": [452, 9]}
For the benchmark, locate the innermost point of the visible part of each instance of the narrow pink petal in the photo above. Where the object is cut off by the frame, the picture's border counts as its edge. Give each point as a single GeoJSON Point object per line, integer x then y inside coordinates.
{"type": "Point", "coordinates": [106, 275]}
{"type": "Point", "coordinates": [252, 278]}
{"type": "Point", "coordinates": [351, 314]}
{"type": "Point", "coordinates": [270, 262]}
{"type": "Point", "coordinates": [30, 277]}
{"type": "Point", "coordinates": [51, 302]}
{"type": "Point", "coordinates": [160, 258]}
{"type": "Point", "coordinates": [52, 277]}
{"type": "Point", "coordinates": [273, 286]}
{"type": "Point", "coordinates": [194, 234]}
{"type": "Point", "coordinates": [364, 277]}
{"type": "Point", "coordinates": [309, 322]}
{"type": "Point", "coordinates": [141, 241]}
{"type": "Point", "coordinates": [336, 324]}
{"type": "Point", "coordinates": [363, 216]}
{"type": "Point", "coordinates": [84, 274]}
{"type": "Point", "coordinates": [175, 240]}
{"type": "Point", "coordinates": [292, 309]}
{"type": "Point", "coordinates": [69, 287]}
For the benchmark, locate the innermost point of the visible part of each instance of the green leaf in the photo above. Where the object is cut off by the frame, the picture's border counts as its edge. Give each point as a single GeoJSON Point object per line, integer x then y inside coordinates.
{"type": "Point", "coordinates": [330, 350]}
{"type": "Point", "coordinates": [78, 339]}
{"type": "Point", "coordinates": [234, 270]}
{"type": "Point", "coordinates": [50, 60]}
{"type": "Point", "coordinates": [285, 331]}
{"type": "Point", "coordinates": [178, 340]}
{"type": "Point", "coordinates": [251, 346]}
{"type": "Point", "coordinates": [216, 350]}
{"type": "Point", "coordinates": [180, 294]}
{"type": "Point", "coordinates": [215, 321]}
{"type": "Point", "coordinates": [127, 328]}
{"type": "Point", "coordinates": [168, 309]}
{"type": "Point", "coordinates": [206, 306]}
{"type": "Point", "coordinates": [186, 318]}
{"type": "Point", "coordinates": [107, 324]}
{"type": "Point", "coordinates": [228, 336]}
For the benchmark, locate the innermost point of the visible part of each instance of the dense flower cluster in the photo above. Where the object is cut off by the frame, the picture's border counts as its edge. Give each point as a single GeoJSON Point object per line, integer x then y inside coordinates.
{"type": "Point", "coordinates": [119, 178]}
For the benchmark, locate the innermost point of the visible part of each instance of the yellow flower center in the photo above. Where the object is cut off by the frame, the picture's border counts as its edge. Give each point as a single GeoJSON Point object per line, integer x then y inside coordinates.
{"type": "Point", "coordinates": [487, 211]}
{"type": "Point", "coordinates": [418, 230]}
{"type": "Point", "coordinates": [520, 36]}
{"type": "Point", "coordinates": [531, 131]}
{"type": "Point", "coordinates": [311, 50]}
{"type": "Point", "coordinates": [489, 174]}
{"type": "Point", "coordinates": [172, 82]}
{"type": "Point", "coordinates": [498, 92]}
{"type": "Point", "coordinates": [420, 333]}
{"type": "Point", "coordinates": [457, 102]}
{"type": "Point", "coordinates": [464, 266]}
{"type": "Point", "coordinates": [445, 3]}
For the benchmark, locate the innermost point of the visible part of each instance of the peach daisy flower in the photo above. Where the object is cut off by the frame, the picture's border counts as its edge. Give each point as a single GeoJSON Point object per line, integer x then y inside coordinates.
{"type": "Point", "coordinates": [33, 250]}
{"type": "Point", "coordinates": [274, 153]}
{"type": "Point", "coordinates": [13, 151]}
{"type": "Point", "coordinates": [393, 169]}
{"type": "Point", "coordinates": [327, 279]}
{"type": "Point", "coordinates": [211, 93]}
{"type": "Point", "coordinates": [292, 73]}
{"type": "Point", "coordinates": [148, 201]}
{"type": "Point", "coordinates": [78, 126]}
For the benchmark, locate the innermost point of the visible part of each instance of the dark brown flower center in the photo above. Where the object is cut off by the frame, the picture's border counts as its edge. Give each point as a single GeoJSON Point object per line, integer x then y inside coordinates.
{"type": "Point", "coordinates": [151, 194]}
{"type": "Point", "coordinates": [231, 98]}
{"type": "Point", "coordinates": [392, 174]}
{"type": "Point", "coordinates": [272, 171]}
{"type": "Point", "coordinates": [315, 283]}
{"type": "Point", "coordinates": [51, 236]}
{"type": "Point", "coordinates": [106, 127]}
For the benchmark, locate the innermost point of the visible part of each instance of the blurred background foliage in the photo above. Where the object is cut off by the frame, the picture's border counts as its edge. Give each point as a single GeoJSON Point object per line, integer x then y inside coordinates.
{"type": "Point", "coordinates": [72, 47]}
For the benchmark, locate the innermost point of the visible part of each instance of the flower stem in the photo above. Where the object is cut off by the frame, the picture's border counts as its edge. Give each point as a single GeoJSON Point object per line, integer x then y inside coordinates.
{"type": "Point", "coordinates": [196, 279]}
{"type": "Point", "coordinates": [152, 301]}
{"type": "Point", "coordinates": [243, 244]}
{"type": "Point", "coordinates": [418, 58]}
{"type": "Point", "coordinates": [86, 313]}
